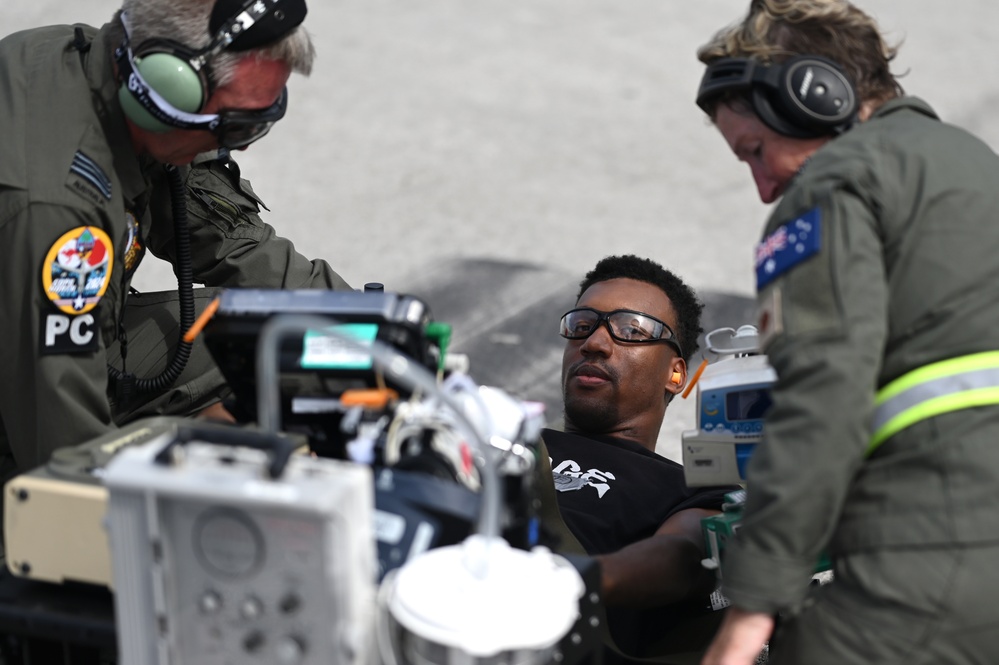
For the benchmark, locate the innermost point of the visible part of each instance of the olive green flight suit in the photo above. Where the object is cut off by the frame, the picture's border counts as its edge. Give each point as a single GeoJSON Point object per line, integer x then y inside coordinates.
{"type": "Point", "coordinates": [881, 257]}
{"type": "Point", "coordinates": [71, 186]}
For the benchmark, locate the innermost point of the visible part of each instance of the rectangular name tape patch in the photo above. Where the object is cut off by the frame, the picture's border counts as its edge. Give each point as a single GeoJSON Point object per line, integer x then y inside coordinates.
{"type": "Point", "coordinates": [788, 246]}
{"type": "Point", "coordinates": [63, 334]}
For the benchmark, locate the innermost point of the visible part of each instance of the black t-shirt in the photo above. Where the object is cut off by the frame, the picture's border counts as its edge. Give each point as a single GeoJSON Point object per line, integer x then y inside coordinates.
{"type": "Point", "coordinates": [613, 492]}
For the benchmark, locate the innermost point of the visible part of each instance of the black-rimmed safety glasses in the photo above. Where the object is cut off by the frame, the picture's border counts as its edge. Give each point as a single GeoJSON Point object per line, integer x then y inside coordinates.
{"type": "Point", "coordinates": [624, 325]}
{"type": "Point", "coordinates": [239, 128]}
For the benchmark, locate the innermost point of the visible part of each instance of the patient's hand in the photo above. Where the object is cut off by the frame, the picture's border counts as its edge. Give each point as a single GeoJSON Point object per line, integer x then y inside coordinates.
{"type": "Point", "coordinates": [217, 413]}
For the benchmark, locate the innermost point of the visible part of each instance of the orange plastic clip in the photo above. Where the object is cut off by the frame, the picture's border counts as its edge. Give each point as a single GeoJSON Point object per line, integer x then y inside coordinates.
{"type": "Point", "coordinates": [369, 398]}
{"type": "Point", "coordinates": [199, 325]}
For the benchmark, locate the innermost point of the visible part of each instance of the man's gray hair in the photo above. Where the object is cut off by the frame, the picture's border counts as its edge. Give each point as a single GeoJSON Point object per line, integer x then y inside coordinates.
{"type": "Point", "coordinates": [186, 22]}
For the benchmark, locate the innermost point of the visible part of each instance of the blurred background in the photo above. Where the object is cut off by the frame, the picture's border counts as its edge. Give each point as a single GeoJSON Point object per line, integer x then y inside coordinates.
{"type": "Point", "coordinates": [485, 154]}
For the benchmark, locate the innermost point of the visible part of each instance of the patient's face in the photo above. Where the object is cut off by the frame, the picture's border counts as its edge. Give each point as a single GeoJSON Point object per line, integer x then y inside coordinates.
{"type": "Point", "coordinates": [611, 386]}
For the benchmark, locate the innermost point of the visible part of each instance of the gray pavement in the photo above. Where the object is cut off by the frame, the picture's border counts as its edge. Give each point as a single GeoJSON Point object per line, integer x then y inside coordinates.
{"type": "Point", "coordinates": [485, 153]}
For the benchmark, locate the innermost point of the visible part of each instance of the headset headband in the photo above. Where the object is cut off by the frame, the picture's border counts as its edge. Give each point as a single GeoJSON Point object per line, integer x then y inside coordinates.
{"type": "Point", "coordinates": [241, 25]}
{"type": "Point", "coordinates": [733, 75]}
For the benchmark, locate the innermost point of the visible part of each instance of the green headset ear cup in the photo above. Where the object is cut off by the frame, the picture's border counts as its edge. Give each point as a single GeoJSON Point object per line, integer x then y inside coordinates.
{"type": "Point", "coordinates": [174, 79]}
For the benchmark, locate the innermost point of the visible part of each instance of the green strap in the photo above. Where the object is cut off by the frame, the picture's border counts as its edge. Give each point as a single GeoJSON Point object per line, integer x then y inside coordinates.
{"type": "Point", "coordinates": [941, 387]}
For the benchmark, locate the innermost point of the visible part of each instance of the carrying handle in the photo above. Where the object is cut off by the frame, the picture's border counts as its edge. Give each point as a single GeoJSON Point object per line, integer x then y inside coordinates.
{"type": "Point", "coordinates": [279, 447]}
{"type": "Point", "coordinates": [729, 341]}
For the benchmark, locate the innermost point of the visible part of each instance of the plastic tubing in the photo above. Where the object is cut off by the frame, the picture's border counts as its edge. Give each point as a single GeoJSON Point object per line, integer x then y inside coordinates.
{"type": "Point", "coordinates": [392, 363]}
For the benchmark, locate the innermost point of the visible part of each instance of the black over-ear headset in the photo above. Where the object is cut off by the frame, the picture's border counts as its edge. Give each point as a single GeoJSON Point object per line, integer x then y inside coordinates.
{"type": "Point", "coordinates": [165, 84]}
{"type": "Point", "coordinates": [807, 96]}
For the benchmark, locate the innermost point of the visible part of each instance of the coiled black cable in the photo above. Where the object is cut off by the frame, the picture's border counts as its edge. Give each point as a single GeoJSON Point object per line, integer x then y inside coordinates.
{"type": "Point", "coordinates": [126, 384]}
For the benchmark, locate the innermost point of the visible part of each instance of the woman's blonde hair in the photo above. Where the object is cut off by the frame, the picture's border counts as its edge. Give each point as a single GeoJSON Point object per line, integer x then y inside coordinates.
{"type": "Point", "coordinates": [775, 30]}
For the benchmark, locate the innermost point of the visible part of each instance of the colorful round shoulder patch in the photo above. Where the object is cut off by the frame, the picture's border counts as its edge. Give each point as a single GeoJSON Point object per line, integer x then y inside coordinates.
{"type": "Point", "coordinates": [77, 270]}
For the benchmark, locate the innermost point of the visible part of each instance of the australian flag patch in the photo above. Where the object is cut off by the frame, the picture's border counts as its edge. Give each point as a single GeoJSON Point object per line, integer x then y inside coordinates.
{"type": "Point", "coordinates": [88, 171]}
{"type": "Point", "coordinates": [788, 246]}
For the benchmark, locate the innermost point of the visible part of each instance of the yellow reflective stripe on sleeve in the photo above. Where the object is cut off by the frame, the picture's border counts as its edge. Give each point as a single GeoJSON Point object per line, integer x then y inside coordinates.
{"type": "Point", "coordinates": [937, 370]}
{"type": "Point", "coordinates": [948, 385]}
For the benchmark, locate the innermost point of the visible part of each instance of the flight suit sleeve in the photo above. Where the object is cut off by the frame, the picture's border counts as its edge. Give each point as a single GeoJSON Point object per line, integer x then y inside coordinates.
{"type": "Point", "coordinates": [54, 371]}
{"type": "Point", "coordinates": [823, 322]}
{"type": "Point", "coordinates": [231, 246]}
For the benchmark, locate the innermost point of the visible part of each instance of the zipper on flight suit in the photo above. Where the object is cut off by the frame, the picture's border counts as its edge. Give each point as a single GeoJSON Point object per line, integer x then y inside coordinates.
{"type": "Point", "coordinates": [219, 205]}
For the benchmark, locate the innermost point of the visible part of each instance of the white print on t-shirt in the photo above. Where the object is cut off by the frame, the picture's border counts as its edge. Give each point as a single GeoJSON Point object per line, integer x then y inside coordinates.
{"type": "Point", "coordinates": [569, 476]}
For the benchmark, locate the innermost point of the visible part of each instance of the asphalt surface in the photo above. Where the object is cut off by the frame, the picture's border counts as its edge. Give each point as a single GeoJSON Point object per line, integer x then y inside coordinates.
{"type": "Point", "coordinates": [485, 154]}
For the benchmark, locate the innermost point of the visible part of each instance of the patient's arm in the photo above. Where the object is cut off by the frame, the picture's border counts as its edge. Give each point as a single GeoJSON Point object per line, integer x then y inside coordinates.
{"type": "Point", "coordinates": [660, 570]}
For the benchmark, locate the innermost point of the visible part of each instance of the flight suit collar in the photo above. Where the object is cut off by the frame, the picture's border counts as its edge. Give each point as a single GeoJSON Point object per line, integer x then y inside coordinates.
{"type": "Point", "coordinates": [897, 105]}
{"type": "Point", "coordinates": [905, 103]}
